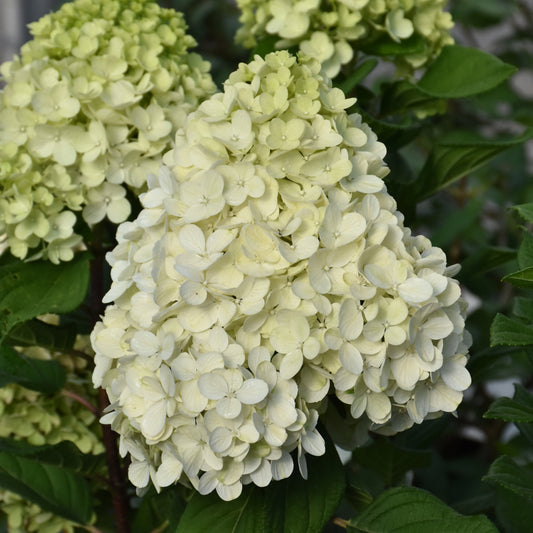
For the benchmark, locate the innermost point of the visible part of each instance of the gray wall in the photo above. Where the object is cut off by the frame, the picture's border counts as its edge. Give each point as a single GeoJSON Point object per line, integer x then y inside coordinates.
{"type": "Point", "coordinates": [14, 16]}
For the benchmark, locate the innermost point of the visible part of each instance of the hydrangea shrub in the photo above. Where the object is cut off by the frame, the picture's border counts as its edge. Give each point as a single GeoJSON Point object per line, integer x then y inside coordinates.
{"type": "Point", "coordinates": [333, 32]}
{"type": "Point", "coordinates": [268, 273]}
{"type": "Point", "coordinates": [87, 109]}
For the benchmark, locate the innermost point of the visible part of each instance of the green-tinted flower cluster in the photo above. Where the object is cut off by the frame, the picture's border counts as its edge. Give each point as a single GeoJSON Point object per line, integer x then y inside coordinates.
{"type": "Point", "coordinates": [268, 270]}
{"type": "Point", "coordinates": [87, 109]}
{"type": "Point", "coordinates": [38, 419]}
{"type": "Point", "coordinates": [332, 30]}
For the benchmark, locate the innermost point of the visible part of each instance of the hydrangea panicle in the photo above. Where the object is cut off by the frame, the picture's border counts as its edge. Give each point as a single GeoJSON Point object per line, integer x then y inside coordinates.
{"type": "Point", "coordinates": [93, 100]}
{"type": "Point", "coordinates": [332, 32]}
{"type": "Point", "coordinates": [273, 271]}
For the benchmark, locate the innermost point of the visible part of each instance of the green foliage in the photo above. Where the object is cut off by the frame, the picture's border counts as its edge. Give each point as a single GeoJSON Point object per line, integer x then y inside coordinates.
{"type": "Point", "coordinates": [35, 374]}
{"type": "Point", "coordinates": [519, 409]}
{"type": "Point", "coordinates": [453, 158]}
{"type": "Point", "coordinates": [457, 163]}
{"type": "Point", "coordinates": [28, 290]}
{"type": "Point", "coordinates": [48, 476]}
{"type": "Point", "coordinates": [294, 504]}
{"type": "Point", "coordinates": [411, 510]}
{"type": "Point", "coordinates": [461, 71]}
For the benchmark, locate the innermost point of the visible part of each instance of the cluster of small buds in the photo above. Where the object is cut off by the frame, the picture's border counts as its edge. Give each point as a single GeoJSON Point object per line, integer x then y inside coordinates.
{"type": "Point", "coordinates": [85, 114]}
{"type": "Point", "coordinates": [38, 419]}
{"type": "Point", "coordinates": [268, 269]}
{"type": "Point", "coordinates": [332, 31]}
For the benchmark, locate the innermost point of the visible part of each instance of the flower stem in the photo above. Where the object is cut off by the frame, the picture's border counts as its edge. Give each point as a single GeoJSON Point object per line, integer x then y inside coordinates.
{"type": "Point", "coordinates": [116, 475]}
{"type": "Point", "coordinates": [117, 479]}
{"type": "Point", "coordinates": [79, 399]}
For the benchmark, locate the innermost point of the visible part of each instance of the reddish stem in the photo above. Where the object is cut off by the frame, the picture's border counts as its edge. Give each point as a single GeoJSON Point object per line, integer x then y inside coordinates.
{"type": "Point", "coordinates": [116, 477]}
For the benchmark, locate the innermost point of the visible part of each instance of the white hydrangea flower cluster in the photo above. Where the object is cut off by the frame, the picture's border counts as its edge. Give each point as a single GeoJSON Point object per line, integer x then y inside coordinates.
{"type": "Point", "coordinates": [268, 269]}
{"type": "Point", "coordinates": [331, 31]}
{"type": "Point", "coordinates": [87, 109]}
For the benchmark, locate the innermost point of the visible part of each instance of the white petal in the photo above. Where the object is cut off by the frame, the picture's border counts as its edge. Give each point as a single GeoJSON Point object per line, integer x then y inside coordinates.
{"type": "Point", "coordinates": [351, 359]}
{"type": "Point", "coordinates": [291, 364]}
{"type": "Point", "coordinates": [193, 293]}
{"type": "Point", "coordinates": [139, 474]}
{"type": "Point", "coordinates": [314, 443]}
{"type": "Point", "coordinates": [415, 290]}
{"type": "Point", "coordinates": [350, 320]}
{"type": "Point", "coordinates": [378, 407]}
{"type": "Point", "coordinates": [229, 408]}
{"type": "Point", "coordinates": [252, 391]}
{"type": "Point", "coordinates": [263, 475]}
{"type": "Point", "coordinates": [154, 419]}
{"type": "Point", "coordinates": [221, 440]}
{"type": "Point", "coordinates": [213, 386]}
{"type": "Point", "coordinates": [144, 343]}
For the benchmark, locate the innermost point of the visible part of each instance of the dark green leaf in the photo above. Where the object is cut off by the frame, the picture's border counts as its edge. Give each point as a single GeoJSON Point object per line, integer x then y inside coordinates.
{"type": "Point", "coordinates": [403, 96]}
{"type": "Point", "coordinates": [159, 511]}
{"type": "Point", "coordinates": [38, 333]}
{"type": "Point", "coordinates": [411, 510]}
{"type": "Point", "coordinates": [484, 259]}
{"type": "Point", "coordinates": [523, 278]}
{"type": "Point", "coordinates": [64, 454]}
{"type": "Point", "coordinates": [28, 290]}
{"type": "Point", "coordinates": [508, 331]}
{"type": "Point", "coordinates": [393, 135]}
{"type": "Point", "coordinates": [385, 46]}
{"type": "Point", "coordinates": [390, 461]}
{"type": "Point", "coordinates": [514, 512]}
{"type": "Point", "coordinates": [53, 488]}
{"type": "Point", "coordinates": [35, 374]}
{"type": "Point", "coordinates": [525, 252]}
{"type": "Point", "coordinates": [294, 505]}
{"type": "Point", "coordinates": [523, 307]}
{"type": "Point", "coordinates": [461, 71]}
{"type": "Point", "coordinates": [448, 161]}
{"type": "Point", "coordinates": [358, 75]}
{"type": "Point", "coordinates": [518, 409]}
{"type": "Point", "coordinates": [508, 474]}
{"type": "Point", "coordinates": [525, 211]}
{"type": "Point", "coordinates": [500, 362]}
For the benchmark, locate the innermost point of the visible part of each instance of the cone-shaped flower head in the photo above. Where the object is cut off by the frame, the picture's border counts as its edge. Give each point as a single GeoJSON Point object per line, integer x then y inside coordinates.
{"type": "Point", "coordinates": [268, 269]}
{"type": "Point", "coordinates": [333, 32]}
{"type": "Point", "coordinates": [86, 111]}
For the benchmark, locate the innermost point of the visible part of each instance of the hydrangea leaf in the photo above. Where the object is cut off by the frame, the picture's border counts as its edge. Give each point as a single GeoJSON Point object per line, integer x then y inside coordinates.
{"type": "Point", "coordinates": [28, 290]}
{"type": "Point", "coordinates": [461, 71]}
{"type": "Point", "coordinates": [525, 252]}
{"type": "Point", "coordinates": [412, 510]}
{"type": "Point", "coordinates": [450, 160]}
{"type": "Point", "coordinates": [509, 331]}
{"type": "Point", "coordinates": [525, 211]}
{"type": "Point", "coordinates": [522, 278]}
{"type": "Point", "coordinates": [400, 96]}
{"type": "Point", "coordinates": [156, 510]}
{"type": "Point", "coordinates": [35, 374]}
{"type": "Point", "coordinates": [54, 488]}
{"type": "Point", "coordinates": [519, 409]}
{"type": "Point", "coordinates": [523, 307]}
{"type": "Point", "coordinates": [38, 333]}
{"type": "Point", "coordinates": [389, 460]}
{"type": "Point", "coordinates": [386, 46]}
{"type": "Point", "coordinates": [294, 504]}
{"type": "Point", "coordinates": [508, 474]}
